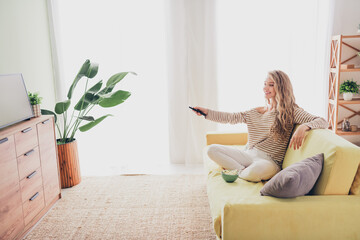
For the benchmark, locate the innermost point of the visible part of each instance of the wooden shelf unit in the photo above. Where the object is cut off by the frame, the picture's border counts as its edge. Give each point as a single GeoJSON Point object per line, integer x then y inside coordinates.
{"type": "Point", "coordinates": [354, 101]}
{"type": "Point", "coordinates": [350, 70]}
{"type": "Point", "coordinates": [337, 58]}
{"type": "Point", "coordinates": [345, 70]}
{"type": "Point", "coordinates": [340, 132]}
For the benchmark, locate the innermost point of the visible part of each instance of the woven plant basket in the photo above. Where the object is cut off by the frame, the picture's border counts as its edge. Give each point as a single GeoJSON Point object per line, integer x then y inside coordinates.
{"type": "Point", "coordinates": [37, 110]}
{"type": "Point", "coordinates": [69, 164]}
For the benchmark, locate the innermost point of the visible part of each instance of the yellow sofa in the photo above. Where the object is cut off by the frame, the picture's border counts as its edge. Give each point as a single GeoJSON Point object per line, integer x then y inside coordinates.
{"type": "Point", "coordinates": [239, 212]}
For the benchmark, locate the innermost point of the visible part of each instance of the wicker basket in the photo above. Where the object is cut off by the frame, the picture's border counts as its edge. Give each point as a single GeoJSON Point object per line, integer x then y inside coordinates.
{"type": "Point", "coordinates": [37, 110]}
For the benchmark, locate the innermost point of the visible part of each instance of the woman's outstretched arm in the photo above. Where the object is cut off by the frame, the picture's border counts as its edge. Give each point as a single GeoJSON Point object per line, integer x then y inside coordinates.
{"type": "Point", "coordinates": [223, 117]}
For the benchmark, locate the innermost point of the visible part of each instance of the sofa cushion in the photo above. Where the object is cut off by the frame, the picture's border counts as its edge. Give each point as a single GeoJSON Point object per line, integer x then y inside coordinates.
{"type": "Point", "coordinates": [341, 160]}
{"type": "Point", "coordinates": [296, 180]}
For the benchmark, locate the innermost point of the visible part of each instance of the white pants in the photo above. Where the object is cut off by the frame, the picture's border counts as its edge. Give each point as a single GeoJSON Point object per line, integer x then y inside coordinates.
{"type": "Point", "coordinates": [253, 165]}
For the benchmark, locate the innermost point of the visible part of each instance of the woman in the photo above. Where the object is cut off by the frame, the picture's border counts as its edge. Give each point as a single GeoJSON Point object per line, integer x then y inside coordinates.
{"type": "Point", "coordinates": [269, 128]}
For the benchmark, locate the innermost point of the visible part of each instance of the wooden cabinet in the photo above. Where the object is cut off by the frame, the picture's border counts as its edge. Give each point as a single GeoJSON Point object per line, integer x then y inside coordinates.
{"type": "Point", "coordinates": [344, 53]}
{"type": "Point", "coordinates": [29, 175]}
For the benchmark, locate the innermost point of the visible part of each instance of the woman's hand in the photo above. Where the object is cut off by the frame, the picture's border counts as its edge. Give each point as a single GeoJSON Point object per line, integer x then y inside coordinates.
{"type": "Point", "coordinates": [299, 136]}
{"type": "Point", "coordinates": [204, 110]}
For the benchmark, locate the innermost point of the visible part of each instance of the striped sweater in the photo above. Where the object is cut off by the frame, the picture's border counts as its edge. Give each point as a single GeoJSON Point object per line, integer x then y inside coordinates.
{"type": "Point", "coordinates": [259, 128]}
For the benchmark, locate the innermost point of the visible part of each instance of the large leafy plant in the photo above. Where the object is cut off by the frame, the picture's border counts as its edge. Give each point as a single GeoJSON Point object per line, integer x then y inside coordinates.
{"type": "Point", "coordinates": [94, 96]}
{"type": "Point", "coordinates": [349, 86]}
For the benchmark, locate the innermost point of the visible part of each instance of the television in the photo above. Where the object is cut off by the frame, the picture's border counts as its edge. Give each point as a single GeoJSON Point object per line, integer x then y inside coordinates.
{"type": "Point", "coordinates": [14, 101]}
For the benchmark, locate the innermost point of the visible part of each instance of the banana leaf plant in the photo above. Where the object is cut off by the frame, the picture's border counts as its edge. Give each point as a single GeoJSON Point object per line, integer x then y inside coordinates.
{"type": "Point", "coordinates": [96, 95]}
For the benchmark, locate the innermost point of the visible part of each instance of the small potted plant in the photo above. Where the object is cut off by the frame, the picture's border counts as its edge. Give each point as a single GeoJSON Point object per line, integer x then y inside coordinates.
{"type": "Point", "coordinates": [35, 102]}
{"type": "Point", "coordinates": [348, 88]}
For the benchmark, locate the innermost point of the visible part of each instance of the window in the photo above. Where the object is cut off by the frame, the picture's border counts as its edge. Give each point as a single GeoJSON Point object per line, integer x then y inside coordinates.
{"type": "Point", "coordinates": [255, 37]}
{"type": "Point", "coordinates": [121, 36]}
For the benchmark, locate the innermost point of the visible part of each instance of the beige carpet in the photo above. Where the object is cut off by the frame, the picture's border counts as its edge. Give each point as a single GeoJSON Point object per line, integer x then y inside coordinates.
{"type": "Point", "coordinates": [130, 207]}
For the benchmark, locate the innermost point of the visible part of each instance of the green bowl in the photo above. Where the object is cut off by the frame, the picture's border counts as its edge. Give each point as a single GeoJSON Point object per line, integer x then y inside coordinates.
{"type": "Point", "coordinates": [229, 177]}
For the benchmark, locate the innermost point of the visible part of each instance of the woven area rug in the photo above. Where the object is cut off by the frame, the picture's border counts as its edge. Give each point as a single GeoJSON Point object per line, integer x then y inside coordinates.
{"type": "Point", "coordinates": [130, 207]}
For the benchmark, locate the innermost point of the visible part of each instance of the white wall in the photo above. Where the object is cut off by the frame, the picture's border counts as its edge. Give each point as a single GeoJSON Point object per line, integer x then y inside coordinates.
{"type": "Point", "coordinates": [346, 17]}
{"type": "Point", "coordinates": [25, 46]}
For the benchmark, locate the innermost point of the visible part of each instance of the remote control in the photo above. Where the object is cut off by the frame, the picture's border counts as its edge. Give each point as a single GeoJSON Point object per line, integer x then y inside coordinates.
{"type": "Point", "coordinates": [197, 110]}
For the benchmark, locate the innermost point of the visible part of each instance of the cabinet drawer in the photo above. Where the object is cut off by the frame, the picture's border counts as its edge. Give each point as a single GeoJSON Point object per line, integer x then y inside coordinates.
{"type": "Point", "coordinates": [33, 205]}
{"type": "Point", "coordinates": [28, 162]}
{"type": "Point", "coordinates": [30, 184]}
{"type": "Point", "coordinates": [25, 140]}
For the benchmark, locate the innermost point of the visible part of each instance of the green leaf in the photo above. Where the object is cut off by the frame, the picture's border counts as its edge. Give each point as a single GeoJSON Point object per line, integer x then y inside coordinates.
{"type": "Point", "coordinates": [114, 79]}
{"type": "Point", "coordinates": [349, 86]}
{"type": "Point", "coordinates": [84, 101]}
{"type": "Point", "coordinates": [113, 99]}
{"type": "Point", "coordinates": [48, 112]}
{"type": "Point", "coordinates": [92, 124]}
{"type": "Point", "coordinates": [82, 72]}
{"type": "Point", "coordinates": [87, 118]}
{"type": "Point", "coordinates": [93, 70]}
{"type": "Point", "coordinates": [61, 107]}
{"type": "Point", "coordinates": [106, 90]}
{"type": "Point", "coordinates": [88, 98]}
{"type": "Point", "coordinates": [96, 87]}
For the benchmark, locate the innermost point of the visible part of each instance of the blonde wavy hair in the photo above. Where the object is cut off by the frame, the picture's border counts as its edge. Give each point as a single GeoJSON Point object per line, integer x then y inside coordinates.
{"type": "Point", "coordinates": [285, 104]}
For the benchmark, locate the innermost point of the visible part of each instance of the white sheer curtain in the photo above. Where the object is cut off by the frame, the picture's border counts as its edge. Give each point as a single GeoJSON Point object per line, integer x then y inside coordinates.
{"type": "Point", "coordinates": [255, 37]}
{"type": "Point", "coordinates": [192, 75]}
{"type": "Point", "coordinates": [120, 35]}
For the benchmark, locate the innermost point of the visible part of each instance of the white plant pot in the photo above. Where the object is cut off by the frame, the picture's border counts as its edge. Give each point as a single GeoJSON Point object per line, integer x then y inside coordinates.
{"type": "Point", "coordinates": [348, 96]}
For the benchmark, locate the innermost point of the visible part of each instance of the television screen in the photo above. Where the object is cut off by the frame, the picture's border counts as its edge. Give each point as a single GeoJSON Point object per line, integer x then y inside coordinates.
{"type": "Point", "coordinates": [14, 101]}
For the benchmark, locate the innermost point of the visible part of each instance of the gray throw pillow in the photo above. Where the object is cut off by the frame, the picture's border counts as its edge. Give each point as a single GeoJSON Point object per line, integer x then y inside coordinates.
{"type": "Point", "coordinates": [295, 180]}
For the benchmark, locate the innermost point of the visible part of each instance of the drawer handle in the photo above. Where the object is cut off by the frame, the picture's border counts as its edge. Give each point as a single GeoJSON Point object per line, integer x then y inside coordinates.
{"type": "Point", "coordinates": [29, 152]}
{"type": "Point", "coordinates": [31, 175]}
{"type": "Point", "coordinates": [35, 196]}
{"type": "Point", "coordinates": [4, 140]}
{"type": "Point", "coordinates": [45, 122]}
{"type": "Point", "coordinates": [26, 130]}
